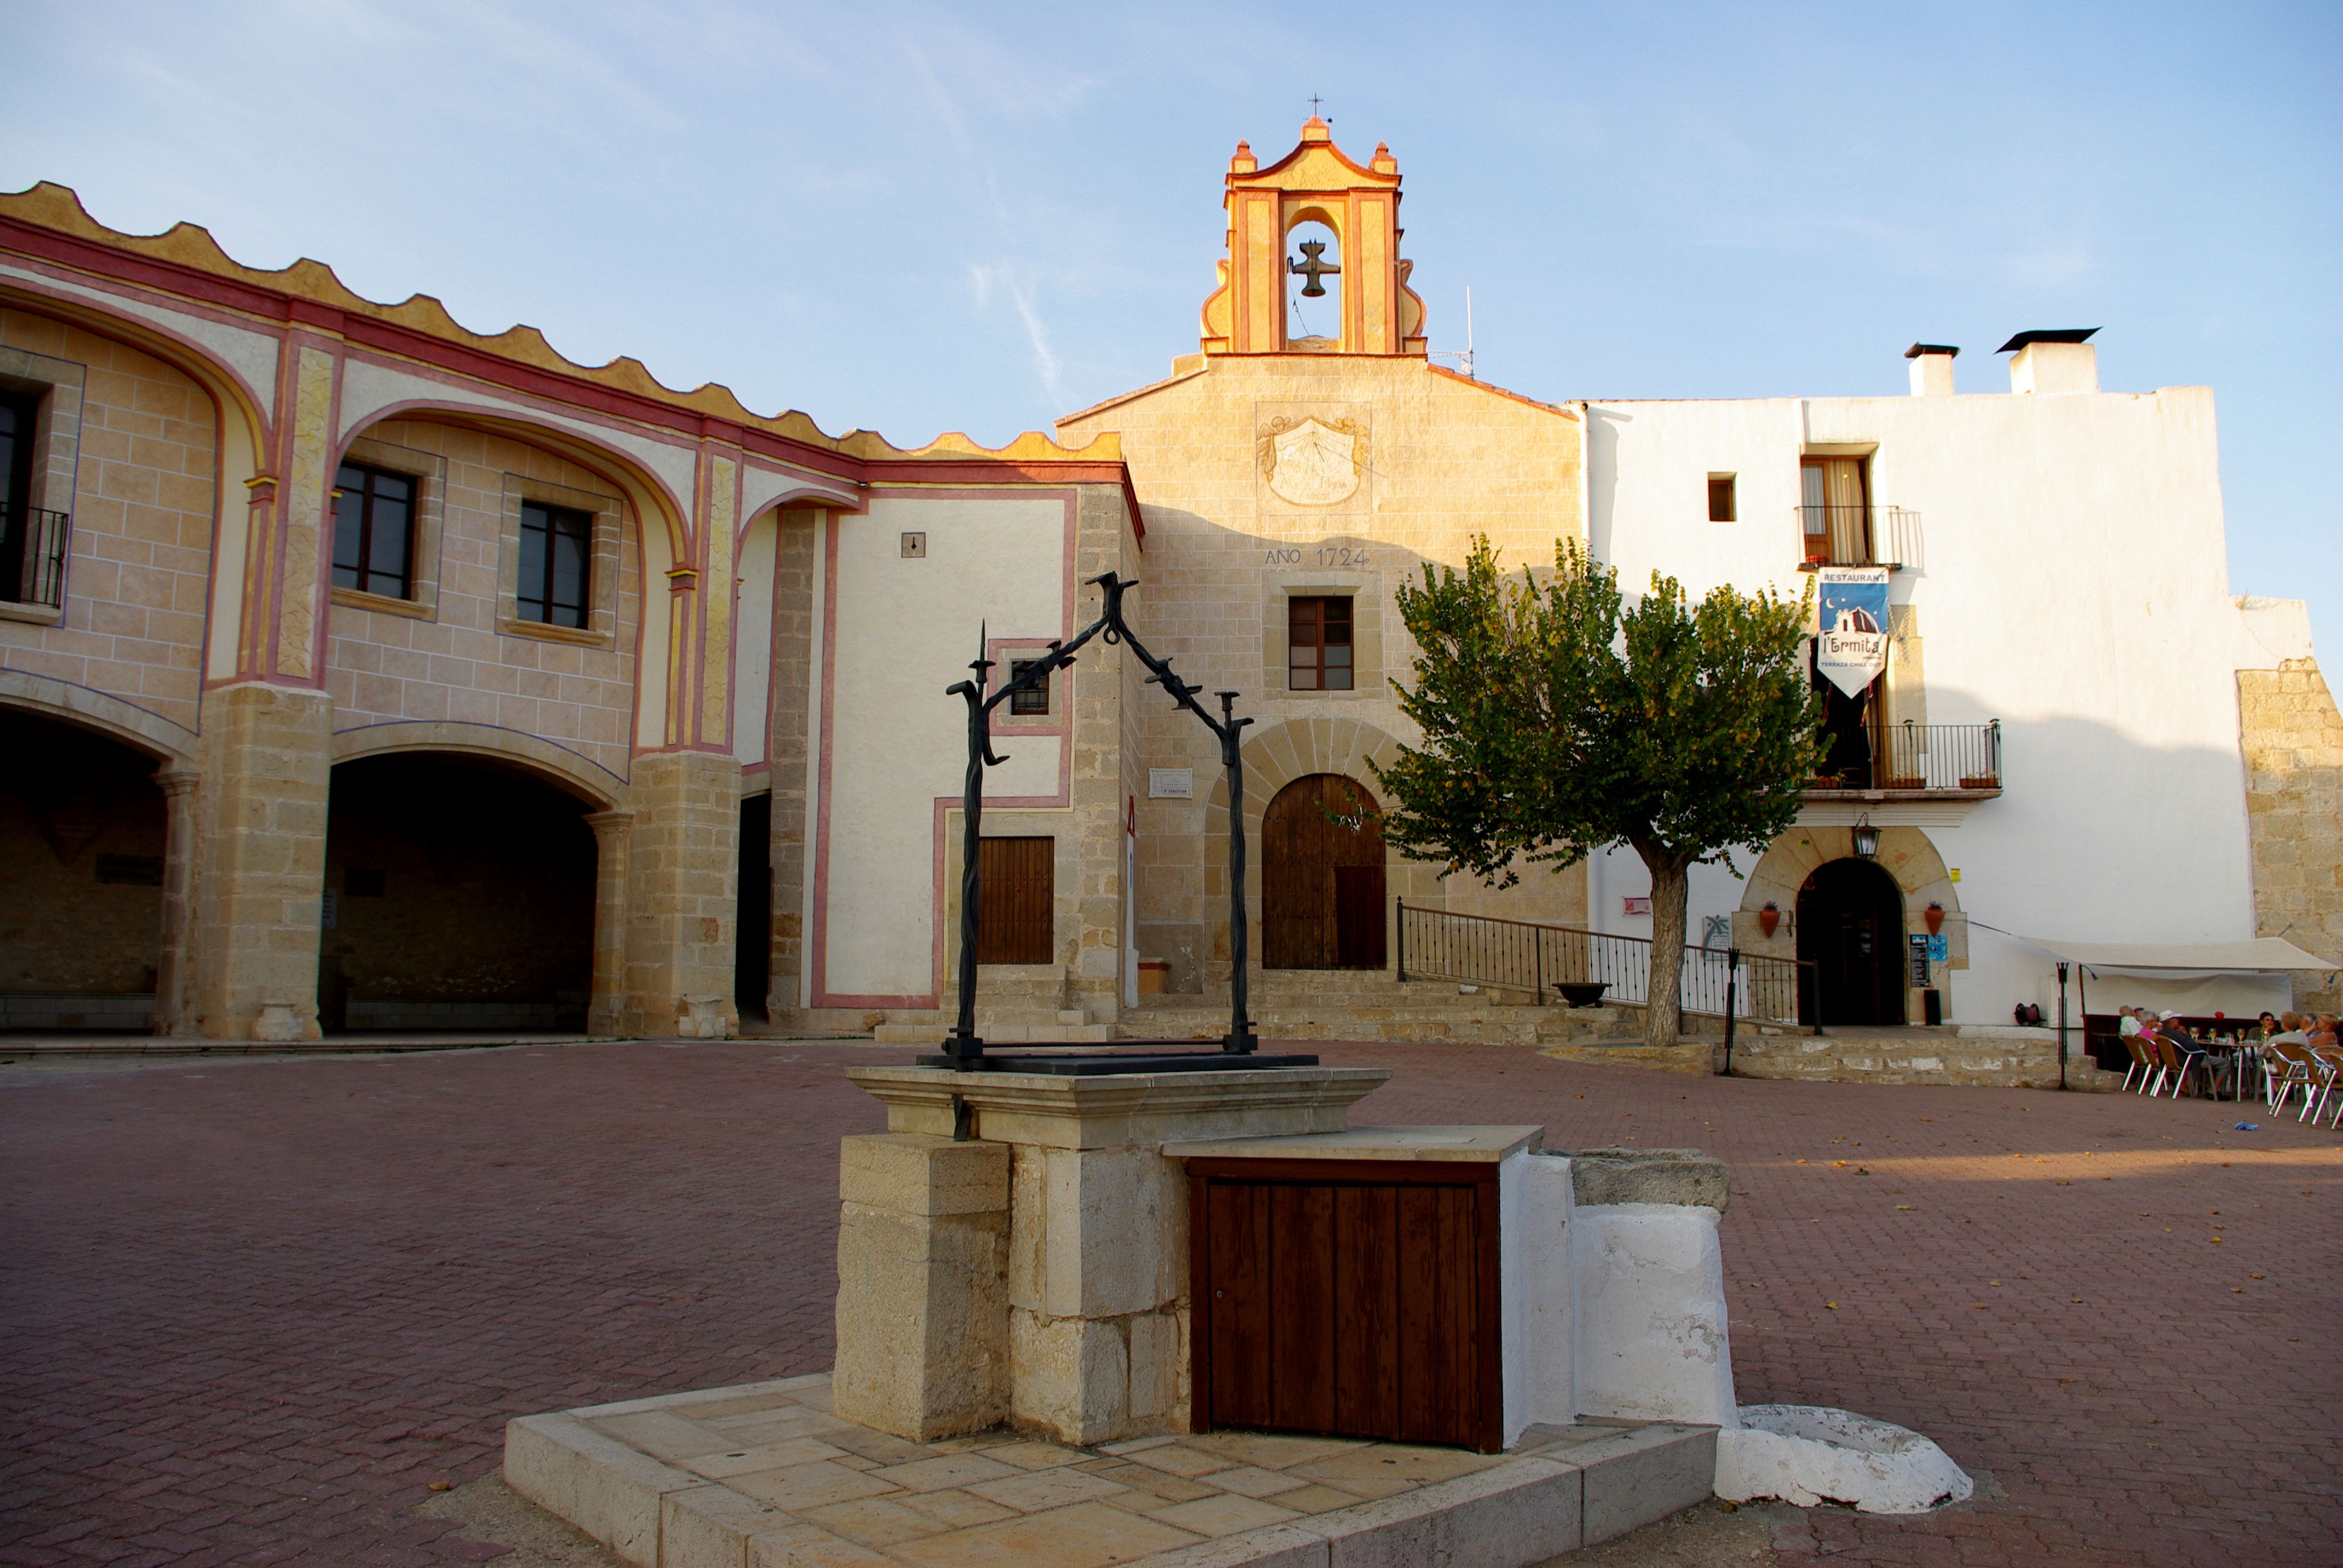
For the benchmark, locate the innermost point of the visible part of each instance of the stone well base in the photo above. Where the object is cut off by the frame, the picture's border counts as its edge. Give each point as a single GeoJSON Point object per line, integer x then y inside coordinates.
{"type": "Point", "coordinates": [763, 1476]}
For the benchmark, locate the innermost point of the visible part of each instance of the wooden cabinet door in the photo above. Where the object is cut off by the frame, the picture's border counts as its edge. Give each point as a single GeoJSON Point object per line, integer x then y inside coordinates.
{"type": "Point", "coordinates": [1352, 1298]}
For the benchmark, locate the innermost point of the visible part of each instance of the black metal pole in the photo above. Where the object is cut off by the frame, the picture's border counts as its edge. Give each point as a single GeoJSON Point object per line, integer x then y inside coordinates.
{"type": "Point", "coordinates": [1399, 919]}
{"type": "Point", "coordinates": [1240, 1036]}
{"type": "Point", "coordinates": [1731, 995]}
{"type": "Point", "coordinates": [2062, 1026]}
{"type": "Point", "coordinates": [962, 1045]}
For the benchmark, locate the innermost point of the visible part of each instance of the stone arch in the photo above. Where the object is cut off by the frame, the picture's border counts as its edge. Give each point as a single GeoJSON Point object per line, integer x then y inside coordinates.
{"type": "Point", "coordinates": [134, 727]}
{"type": "Point", "coordinates": [1275, 756]}
{"type": "Point", "coordinates": [1906, 854]}
{"type": "Point", "coordinates": [566, 769]}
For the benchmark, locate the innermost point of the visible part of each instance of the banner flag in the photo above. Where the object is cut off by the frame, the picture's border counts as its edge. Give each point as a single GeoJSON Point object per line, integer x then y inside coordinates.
{"type": "Point", "coordinates": [1851, 648]}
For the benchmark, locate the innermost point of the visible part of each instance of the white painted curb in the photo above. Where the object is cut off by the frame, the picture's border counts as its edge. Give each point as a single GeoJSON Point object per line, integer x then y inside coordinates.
{"type": "Point", "coordinates": [1806, 1454]}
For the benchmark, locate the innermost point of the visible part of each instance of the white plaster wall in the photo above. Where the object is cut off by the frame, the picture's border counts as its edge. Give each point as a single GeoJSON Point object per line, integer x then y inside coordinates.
{"type": "Point", "coordinates": [2075, 587]}
{"type": "Point", "coordinates": [752, 623]}
{"type": "Point", "coordinates": [1648, 1287]}
{"type": "Point", "coordinates": [906, 630]}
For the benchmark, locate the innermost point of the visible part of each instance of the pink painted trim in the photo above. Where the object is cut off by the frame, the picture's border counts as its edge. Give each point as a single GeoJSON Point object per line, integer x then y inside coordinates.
{"type": "Point", "coordinates": [264, 433]}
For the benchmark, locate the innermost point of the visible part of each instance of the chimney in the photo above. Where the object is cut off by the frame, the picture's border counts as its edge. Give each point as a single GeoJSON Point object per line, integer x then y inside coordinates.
{"type": "Point", "coordinates": [2053, 362]}
{"type": "Point", "coordinates": [1932, 368]}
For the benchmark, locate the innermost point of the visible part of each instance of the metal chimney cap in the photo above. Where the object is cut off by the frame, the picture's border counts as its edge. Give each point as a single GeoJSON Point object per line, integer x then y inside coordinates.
{"type": "Point", "coordinates": [2057, 335]}
{"type": "Point", "coordinates": [1917, 349]}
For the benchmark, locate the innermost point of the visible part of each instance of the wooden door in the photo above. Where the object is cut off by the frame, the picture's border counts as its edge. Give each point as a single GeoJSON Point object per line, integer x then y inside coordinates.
{"type": "Point", "coordinates": [1317, 827]}
{"type": "Point", "coordinates": [1018, 904]}
{"type": "Point", "coordinates": [1337, 1296]}
{"type": "Point", "coordinates": [1851, 929]}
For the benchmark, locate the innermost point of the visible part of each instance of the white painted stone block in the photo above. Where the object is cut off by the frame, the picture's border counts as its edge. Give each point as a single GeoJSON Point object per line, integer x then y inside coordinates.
{"type": "Point", "coordinates": [1810, 1454]}
{"type": "Point", "coordinates": [1649, 1303]}
{"type": "Point", "coordinates": [600, 1485]}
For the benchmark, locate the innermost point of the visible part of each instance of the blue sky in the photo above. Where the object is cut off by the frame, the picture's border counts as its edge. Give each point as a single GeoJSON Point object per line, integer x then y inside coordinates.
{"type": "Point", "coordinates": [978, 218]}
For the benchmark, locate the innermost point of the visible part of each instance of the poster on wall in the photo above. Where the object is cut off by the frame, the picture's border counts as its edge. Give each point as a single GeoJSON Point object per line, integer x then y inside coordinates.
{"type": "Point", "coordinates": [1851, 647]}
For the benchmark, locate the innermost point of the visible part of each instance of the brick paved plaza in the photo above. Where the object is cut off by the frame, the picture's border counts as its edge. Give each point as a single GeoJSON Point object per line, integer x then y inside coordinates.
{"type": "Point", "coordinates": [253, 1309]}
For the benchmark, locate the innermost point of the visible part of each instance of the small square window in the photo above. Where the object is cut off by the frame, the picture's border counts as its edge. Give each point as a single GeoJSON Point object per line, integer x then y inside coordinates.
{"type": "Point", "coordinates": [915, 546]}
{"type": "Point", "coordinates": [1318, 644]}
{"type": "Point", "coordinates": [1034, 700]}
{"type": "Point", "coordinates": [1720, 498]}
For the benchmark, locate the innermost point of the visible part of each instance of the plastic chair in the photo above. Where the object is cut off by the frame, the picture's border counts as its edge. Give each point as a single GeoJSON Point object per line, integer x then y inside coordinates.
{"type": "Point", "coordinates": [2142, 1066]}
{"type": "Point", "coordinates": [2180, 1063]}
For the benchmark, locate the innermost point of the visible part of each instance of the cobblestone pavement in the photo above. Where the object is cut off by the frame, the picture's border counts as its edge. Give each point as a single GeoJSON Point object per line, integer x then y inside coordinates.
{"type": "Point", "coordinates": [253, 1309]}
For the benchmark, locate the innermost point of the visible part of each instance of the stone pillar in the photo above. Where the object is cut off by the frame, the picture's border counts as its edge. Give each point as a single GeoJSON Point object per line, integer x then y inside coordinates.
{"type": "Point", "coordinates": [1094, 1313]}
{"type": "Point", "coordinates": [923, 1271]}
{"type": "Point", "coordinates": [178, 786]}
{"type": "Point", "coordinates": [607, 1006]}
{"type": "Point", "coordinates": [259, 863]}
{"type": "Point", "coordinates": [682, 889]}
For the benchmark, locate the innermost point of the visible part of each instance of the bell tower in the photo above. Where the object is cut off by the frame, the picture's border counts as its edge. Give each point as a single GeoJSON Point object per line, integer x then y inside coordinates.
{"type": "Point", "coordinates": [1314, 183]}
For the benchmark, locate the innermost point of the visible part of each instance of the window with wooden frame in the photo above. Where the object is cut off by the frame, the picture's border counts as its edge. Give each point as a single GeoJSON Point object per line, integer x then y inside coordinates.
{"type": "Point", "coordinates": [1034, 700]}
{"type": "Point", "coordinates": [1318, 644]}
{"type": "Point", "coordinates": [374, 530]}
{"type": "Point", "coordinates": [1017, 909]}
{"type": "Point", "coordinates": [1721, 500]}
{"type": "Point", "coordinates": [556, 545]}
{"type": "Point", "coordinates": [18, 417]}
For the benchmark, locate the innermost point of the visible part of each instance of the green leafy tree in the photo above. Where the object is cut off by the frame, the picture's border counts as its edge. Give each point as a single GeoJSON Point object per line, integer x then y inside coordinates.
{"type": "Point", "coordinates": [1557, 722]}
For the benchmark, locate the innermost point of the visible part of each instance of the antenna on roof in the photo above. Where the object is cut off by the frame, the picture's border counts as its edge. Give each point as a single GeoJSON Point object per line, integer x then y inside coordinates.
{"type": "Point", "coordinates": [1464, 357]}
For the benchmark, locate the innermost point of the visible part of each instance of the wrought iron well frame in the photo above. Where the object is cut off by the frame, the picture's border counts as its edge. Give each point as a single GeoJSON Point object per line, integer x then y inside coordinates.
{"type": "Point", "coordinates": [963, 1045]}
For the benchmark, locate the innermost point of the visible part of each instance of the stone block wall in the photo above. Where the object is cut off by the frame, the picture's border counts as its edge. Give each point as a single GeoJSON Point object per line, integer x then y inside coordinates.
{"type": "Point", "coordinates": [2293, 741]}
{"type": "Point", "coordinates": [453, 654]}
{"type": "Point", "coordinates": [141, 500]}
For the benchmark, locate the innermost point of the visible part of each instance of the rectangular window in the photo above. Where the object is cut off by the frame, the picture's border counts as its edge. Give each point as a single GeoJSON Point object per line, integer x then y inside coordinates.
{"type": "Point", "coordinates": [1318, 644]}
{"type": "Point", "coordinates": [555, 545]}
{"type": "Point", "coordinates": [1035, 699]}
{"type": "Point", "coordinates": [374, 530]}
{"type": "Point", "coordinates": [1834, 502]}
{"type": "Point", "coordinates": [32, 544]}
{"type": "Point", "coordinates": [1720, 498]}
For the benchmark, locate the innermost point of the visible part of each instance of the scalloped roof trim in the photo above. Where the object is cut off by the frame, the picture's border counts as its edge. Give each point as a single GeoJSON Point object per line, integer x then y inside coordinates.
{"type": "Point", "coordinates": [48, 205]}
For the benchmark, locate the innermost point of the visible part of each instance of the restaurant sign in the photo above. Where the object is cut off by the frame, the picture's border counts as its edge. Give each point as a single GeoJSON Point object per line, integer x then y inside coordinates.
{"type": "Point", "coordinates": [1851, 647]}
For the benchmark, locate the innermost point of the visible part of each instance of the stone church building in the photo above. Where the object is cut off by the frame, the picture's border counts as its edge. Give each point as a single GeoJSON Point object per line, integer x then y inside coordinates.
{"type": "Point", "coordinates": [359, 673]}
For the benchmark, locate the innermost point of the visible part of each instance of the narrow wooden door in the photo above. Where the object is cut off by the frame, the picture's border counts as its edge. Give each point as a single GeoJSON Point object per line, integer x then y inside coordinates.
{"type": "Point", "coordinates": [1317, 827]}
{"type": "Point", "coordinates": [1018, 903]}
{"type": "Point", "coordinates": [1362, 1306]}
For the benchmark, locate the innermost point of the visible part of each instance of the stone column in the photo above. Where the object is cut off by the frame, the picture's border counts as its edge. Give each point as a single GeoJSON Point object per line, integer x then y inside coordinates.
{"type": "Point", "coordinates": [605, 1010]}
{"type": "Point", "coordinates": [683, 876]}
{"type": "Point", "coordinates": [178, 786]}
{"type": "Point", "coordinates": [1093, 1309]}
{"type": "Point", "coordinates": [259, 862]}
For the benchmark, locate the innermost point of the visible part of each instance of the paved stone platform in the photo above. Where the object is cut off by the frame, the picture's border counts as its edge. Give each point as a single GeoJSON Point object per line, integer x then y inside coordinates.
{"type": "Point", "coordinates": [255, 1308]}
{"type": "Point", "coordinates": [764, 1476]}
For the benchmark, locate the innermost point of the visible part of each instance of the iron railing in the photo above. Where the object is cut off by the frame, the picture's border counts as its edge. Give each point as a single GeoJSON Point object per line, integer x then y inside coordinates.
{"type": "Point", "coordinates": [1546, 961]}
{"type": "Point", "coordinates": [1915, 756]}
{"type": "Point", "coordinates": [1862, 536]}
{"type": "Point", "coordinates": [32, 555]}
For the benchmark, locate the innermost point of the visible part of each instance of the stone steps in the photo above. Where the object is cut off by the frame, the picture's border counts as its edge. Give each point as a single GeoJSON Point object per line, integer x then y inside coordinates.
{"type": "Point", "coordinates": [1395, 1017]}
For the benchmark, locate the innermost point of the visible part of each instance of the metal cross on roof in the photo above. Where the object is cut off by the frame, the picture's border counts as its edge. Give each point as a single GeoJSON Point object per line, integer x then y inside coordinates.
{"type": "Point", "coordinates": [1311, 267]}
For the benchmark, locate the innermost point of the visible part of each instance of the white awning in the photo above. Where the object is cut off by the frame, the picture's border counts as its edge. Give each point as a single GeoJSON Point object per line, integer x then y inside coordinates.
{"type": "Point", "coordinates": [2262, 955]}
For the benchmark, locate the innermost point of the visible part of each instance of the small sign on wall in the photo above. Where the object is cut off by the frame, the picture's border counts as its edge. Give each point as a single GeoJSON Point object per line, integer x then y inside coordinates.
{"type": "Point", "coordinates": [1171, 783]}
{"type": "Point", "coordinates": [1637, 906]}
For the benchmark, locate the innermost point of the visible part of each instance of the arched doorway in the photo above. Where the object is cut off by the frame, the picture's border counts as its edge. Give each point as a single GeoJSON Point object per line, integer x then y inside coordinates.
{"type": "Point", "coordinates": [1851, 929]}
{"type": "Point", "coordinates": [459, 895]}
{"type": "Point", "coordinates": [82, 842]}
{"type": "Point", "coordinates": [1321, 865]}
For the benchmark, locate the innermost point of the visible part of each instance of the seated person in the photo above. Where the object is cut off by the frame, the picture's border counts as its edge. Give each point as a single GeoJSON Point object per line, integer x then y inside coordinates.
{"type": "Point", "coordinates": [2131, 1024]}
{"type": "Point", "coordinates": [2291, 1031]}
{"type": "Point", "coordinates": [2321, 1032]}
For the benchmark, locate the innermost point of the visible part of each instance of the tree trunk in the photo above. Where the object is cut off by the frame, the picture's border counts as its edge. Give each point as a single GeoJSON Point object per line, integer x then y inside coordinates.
{"type": "Point", "coordinates": [1669, 879]}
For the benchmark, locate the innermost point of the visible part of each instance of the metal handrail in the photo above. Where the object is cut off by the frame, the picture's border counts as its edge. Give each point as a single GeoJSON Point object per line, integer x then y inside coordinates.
{"type": "Point", "coordinates": [1542, 960]}
{"type": "Point", "coordinates": [1910, 756]}
{"type": "Point", "coordinates": [1862, 536]}
{"type": "Point", "coordinates": [32, 555]}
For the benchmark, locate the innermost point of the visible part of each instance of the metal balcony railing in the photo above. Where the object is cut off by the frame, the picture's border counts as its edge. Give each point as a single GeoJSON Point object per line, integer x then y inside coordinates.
{"type": "Point", "coordinates": [1541, 960]}
{"type": "Point", "coordinates": [1862, 536]}
{"type": "Point", "coordinates": [1914, 757]}
{"type": "Point", "coordinates": [32, 555]}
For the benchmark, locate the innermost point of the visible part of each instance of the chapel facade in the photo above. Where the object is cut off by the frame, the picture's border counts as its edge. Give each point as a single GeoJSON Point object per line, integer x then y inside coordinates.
{"type": "Point", "coordinates": [359, 673]}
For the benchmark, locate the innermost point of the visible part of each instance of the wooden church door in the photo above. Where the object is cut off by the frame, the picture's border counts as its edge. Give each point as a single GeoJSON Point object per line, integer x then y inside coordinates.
{"type": "Point", "coordinates": [1322, 877]}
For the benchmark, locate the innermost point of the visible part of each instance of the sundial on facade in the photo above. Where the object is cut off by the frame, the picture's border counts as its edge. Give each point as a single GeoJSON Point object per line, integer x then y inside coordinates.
{"type": "Point", "coordinates": [1311, 463]}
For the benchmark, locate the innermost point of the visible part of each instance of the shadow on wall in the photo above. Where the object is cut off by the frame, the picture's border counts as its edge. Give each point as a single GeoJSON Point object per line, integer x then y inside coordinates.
{"type": "Point", "coordinates": [81, 862]}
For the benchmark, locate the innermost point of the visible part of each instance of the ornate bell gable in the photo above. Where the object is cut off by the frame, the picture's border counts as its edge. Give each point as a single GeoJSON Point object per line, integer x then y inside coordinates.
{"type": "Point", "coordinates": [1314, 183]}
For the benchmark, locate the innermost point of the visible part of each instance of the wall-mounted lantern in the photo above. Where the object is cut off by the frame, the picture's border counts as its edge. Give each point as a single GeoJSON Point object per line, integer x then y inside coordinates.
{"type": "Point", "coordinates": [1866, 838]}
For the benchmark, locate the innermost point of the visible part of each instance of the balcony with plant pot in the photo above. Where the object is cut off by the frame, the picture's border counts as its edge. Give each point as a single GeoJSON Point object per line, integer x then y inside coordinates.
{"type": "Point", "coordinates": [1918, 762]}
